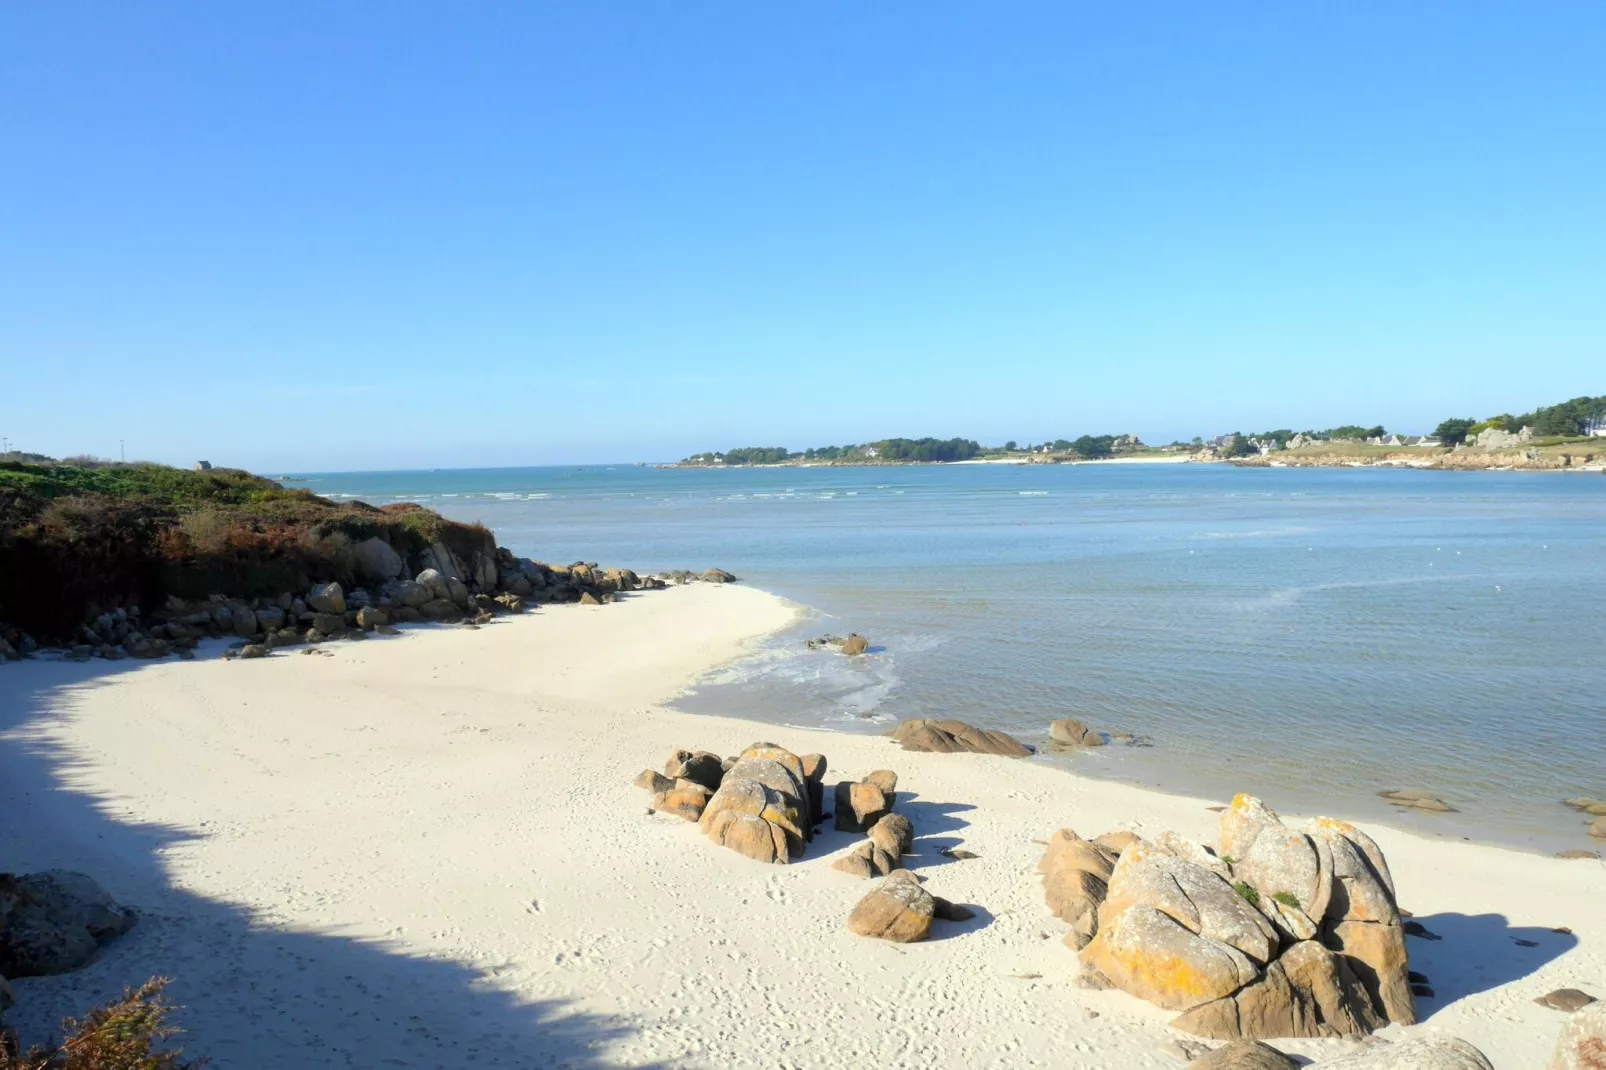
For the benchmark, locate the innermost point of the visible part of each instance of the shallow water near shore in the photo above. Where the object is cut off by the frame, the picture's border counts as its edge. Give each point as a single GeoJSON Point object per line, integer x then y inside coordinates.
{"type": "Point", "coordinates": [1311, 635]}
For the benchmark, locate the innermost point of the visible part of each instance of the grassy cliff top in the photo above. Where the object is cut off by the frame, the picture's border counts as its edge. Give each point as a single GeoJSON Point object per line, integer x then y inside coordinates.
{"type": "Point", "coordinates": [151, 484]}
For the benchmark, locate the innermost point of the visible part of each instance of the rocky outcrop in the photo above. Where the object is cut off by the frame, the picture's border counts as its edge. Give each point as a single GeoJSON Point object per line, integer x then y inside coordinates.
{"type": "Point", "coordinates": [855, 644]}
{"type": "Point", "coordinates": [897, 909]}
{"type": "Point", "coordinates": [1283, 933]}
{"type": "Point", "coordinates": [55, 921]}
{"type": "Point", "coordinates": [952, 737]}
{"type": "Point", "coordinates": [1582, 1045]}
{"type": "Point", "coordinates": [1307, 992]}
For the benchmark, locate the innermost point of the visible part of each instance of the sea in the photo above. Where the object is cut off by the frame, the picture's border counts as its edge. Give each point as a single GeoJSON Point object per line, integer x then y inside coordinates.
{"type": "Point", "coordinates": [1310, 635]}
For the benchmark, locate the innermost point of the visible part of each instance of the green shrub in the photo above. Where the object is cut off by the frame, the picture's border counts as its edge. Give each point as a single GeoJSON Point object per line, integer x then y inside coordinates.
{"type": "Point", "coordinates": [1249, 895]}
{"type": "Point", "coordinates": [1287, 899]}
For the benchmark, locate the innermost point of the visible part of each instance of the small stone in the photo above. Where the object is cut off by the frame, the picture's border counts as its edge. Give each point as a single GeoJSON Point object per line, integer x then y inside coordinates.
{"type": "Point", "coordinates": [1565, 999]}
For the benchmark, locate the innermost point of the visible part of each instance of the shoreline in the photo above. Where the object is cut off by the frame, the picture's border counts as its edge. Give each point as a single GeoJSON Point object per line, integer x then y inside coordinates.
{"type": "Point", "coordinates": [439, 828]}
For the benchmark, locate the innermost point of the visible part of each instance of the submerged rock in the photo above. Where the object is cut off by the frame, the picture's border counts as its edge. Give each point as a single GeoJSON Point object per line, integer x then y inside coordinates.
{"type": "Point", "coordinates": [1069, 732]}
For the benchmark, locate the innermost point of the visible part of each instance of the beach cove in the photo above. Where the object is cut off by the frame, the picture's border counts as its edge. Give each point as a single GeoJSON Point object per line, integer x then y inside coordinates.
{"type": "Point", "coordinates": [425, 850]}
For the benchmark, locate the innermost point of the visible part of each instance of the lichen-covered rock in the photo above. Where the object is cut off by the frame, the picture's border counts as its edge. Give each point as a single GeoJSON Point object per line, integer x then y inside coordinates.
{"type": "Point", "coordinates": [1377, 954]}
{"type": "Point", "coordinates": [1150, 955]}
{"type": "Point", "coordinates": [1582, 1045]}
{"type": "Point", "coordinates": [894, 834]}
{"type": "Point", "coordinates": [1329, 826]}
{"type": "Point", "coordinates": [1118, 841]}
{"type": "Point", "coordinates": [1449, 1053]}
{"type": "Point", "coordinates": [1281, 861]}
{"type": "Point", "coordinates": [1308, 992]}
{"type": "Point", "coordinates": [1076, 874]}
{"type": "Point", "coordinates": [897, 909]}
{"type": "Point", "coordinates": [700, 766]}
{"type": "Point", "coordinates": [858, 805]}
{"type": "Point", "coordinates": [54, 921]}
{"type": "Point", "coordinates": [684, 798]}
{"type": "Point", "coordinates": [887, 781]}
{"type": "Point", "coordinates": [1188, 851]}
{"type": "Point", "coordinates": [653, 781]}
{"type": "Point", "coordinates": [750, 835]}
{"type": "Point", "coordinates": [1196, 898]}
{"type": "Point", "coordinates": [1241, 823]}
{"type": "Point", "coordinates": [866, 860]}
{"type": "Point", "coordinates": [950, 737]}
{"type": "Point", "coordinates": [1244, 1055]}
{"type": "Point", "coordinates": [767, 789]}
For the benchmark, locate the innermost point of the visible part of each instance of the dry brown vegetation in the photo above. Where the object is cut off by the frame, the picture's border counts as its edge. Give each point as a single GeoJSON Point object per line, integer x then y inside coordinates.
{"type": "Point", "coordinates": [127, 1034]}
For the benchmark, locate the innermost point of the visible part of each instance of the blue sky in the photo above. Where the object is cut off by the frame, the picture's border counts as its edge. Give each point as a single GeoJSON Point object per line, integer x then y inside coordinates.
{"type": "Point", "coordinates": [320, 236]}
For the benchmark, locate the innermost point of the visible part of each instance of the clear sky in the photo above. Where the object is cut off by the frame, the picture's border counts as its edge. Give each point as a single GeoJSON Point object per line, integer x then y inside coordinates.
{"type": "Point", "coordinates": [369, 235]}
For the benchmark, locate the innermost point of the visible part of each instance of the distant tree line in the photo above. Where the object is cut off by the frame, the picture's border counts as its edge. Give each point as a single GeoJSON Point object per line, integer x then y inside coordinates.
{"type": "Point", "coordinates": [1569, 419]}
{"type": "Point", "coordinates": [889, 449]}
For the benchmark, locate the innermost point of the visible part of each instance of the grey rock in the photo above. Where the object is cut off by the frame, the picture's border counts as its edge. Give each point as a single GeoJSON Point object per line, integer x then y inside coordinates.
{"type": "Point", "coordinates": [1565, 999]}
{"type": "Point", "coordinates": [1450, 1053]}
{"type": "Point", "coordinates": [327, 598]}
{"type": "Point", "coordinates": [243, 621]}
{"type": "Point", "coordinates": [54, 921]}
{"type": "Point", "coordinates": [1244, 1055]}
{"type": "Point", "coordinates": [1069, 732]}
{"type": "Point", "coordinates": [376, 561]}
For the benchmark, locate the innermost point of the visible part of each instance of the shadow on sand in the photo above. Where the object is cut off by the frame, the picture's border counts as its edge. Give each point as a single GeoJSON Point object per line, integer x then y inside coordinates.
{"type": "Point", "coordinates": [254, 994]}
{"type": "Point", "coordinates": [1470, 953]}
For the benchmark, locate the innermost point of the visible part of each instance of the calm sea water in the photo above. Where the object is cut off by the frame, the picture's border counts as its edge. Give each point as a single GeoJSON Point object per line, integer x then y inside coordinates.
{"type": "Point", "coordinates": [1311, 635]}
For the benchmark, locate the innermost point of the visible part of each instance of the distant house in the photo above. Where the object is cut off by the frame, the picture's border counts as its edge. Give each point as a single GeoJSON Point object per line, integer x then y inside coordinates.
{"type": "Point", "coordinates": [1426, 440]}
{"type": "Point", "coordinates": [871, 451]}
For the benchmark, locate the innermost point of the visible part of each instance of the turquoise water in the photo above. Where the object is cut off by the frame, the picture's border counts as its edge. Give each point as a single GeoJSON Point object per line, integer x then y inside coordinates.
{"type": "Point", "coordinates": [1312, 635]}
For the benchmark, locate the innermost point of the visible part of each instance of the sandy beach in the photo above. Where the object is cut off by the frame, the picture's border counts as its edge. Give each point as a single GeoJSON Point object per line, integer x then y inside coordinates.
{"type": "Point", "coordinates": [425, 851]}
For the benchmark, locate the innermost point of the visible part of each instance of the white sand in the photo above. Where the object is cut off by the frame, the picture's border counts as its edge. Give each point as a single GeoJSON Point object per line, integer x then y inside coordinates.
{"type": "Point", "coordinates": [425, 851]}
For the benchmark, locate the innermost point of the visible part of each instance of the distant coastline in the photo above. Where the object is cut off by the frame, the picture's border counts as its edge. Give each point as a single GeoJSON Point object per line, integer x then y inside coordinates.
{"type": "Point", "coordinates": [1568, 436]}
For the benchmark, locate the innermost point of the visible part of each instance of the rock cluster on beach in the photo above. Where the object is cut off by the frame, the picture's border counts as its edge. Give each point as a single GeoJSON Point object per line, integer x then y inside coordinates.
{"type": "Point", "coordinates": [1279, 933]}
{"type": "Point", "coordinates": [444, 588]}
{"type": "Point", "coordinates": [762, 803]}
